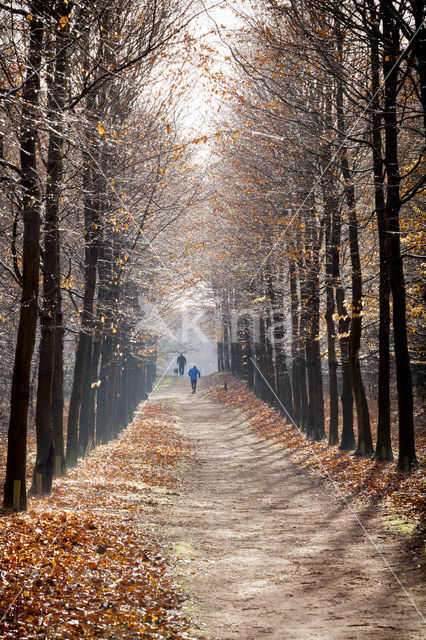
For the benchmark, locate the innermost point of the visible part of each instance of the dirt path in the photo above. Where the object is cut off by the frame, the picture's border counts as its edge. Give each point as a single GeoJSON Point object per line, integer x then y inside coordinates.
{"type": "Point", "coordinates": [268, 550]}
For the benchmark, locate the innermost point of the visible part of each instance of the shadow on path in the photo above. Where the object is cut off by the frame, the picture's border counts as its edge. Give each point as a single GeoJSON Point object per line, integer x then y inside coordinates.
{"type": "Point", "coordinates": [272, 552]}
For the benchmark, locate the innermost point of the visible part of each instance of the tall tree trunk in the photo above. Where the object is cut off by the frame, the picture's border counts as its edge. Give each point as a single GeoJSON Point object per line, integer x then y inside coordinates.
{"type": "Point", "coordinates": [15, 483]}
{"type": "Point", "coordinates": [303, 338]}
{"type": "Point", "coordinates": [332, 240]}
{"type": "Point", "coordinates": [347, 440]}
{"type": "Point", "coordinates": [45, 459]}
{"type": "Point", "coordinates": [295, 344]}
{"type": "Point", "coordinates": [58, 389]}
{"type": "Point", "coordinates": [96, 356]}
{"type": "Point", "coordinates": [234, 363]}
{"type": "Point", "coordinates": [92, 186]}
{"type": "Point", "coordinates": [383, 445]}
{"type": "Point", "coordinates": [283, 383]}
{"type": "Point", "coordinates": [220, 361]}
{"type": "Point", "coordinates": [248, 341]}
{"type": "Point", "coordinates": [103, 415]}
{"type": "Point", "coordinates": [407, 455]}
{"type": "Point", "coordinates": [365, 444]}
{"type": "Point", "coordinates": [319, 427]}
{"type": "Point", "coordinates": [259, 338]}
{"type": "Point", "coordinates": [269, 358]}
{"type": "Point", "coordinates": [316, 427]}
{"type": "Point", "coordinates": [226, 339]}
{"type": "Point", "coordinates": [86, 393]}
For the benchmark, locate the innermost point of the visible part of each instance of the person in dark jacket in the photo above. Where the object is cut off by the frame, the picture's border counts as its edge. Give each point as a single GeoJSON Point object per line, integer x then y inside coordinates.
{"type": "Point", "coordinates": [194, 374]}
{"type": "Point", "coordinates": [181, 361]}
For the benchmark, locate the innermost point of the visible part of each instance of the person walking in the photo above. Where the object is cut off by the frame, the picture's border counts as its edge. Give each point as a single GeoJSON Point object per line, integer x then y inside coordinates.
{"type": "Point", "coordinates": [181, 362]}
{"type": "Point", "coordinates": [194, 374]}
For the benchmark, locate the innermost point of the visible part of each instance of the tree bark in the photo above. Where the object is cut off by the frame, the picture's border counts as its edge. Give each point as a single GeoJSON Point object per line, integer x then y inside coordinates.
{"type": "Point", "coordinates": [58, 390]}
{"type": "Point", "coordinates": [365, 444]}
{"type": "Point", "coordinates": [226, 340]}
{"type": "Point", "coordinates": [295, 345]}
{"type": "Point", "coordinates": [332, 240]}
{"type": "Point", "coordinates": [315, 426]}
{"type": "Point", "coordinates": [269, 359]}
{"type": "Point", "coordinates": [15, 482]}
{"type": "Point", "coordinates": [96, 356]}
{"type": "Point", "coordinates": [347, 440]}
{"type": "Point", "coordinates": [407, 455]}
{"type": "Point", "coordinates": [85, 408]}
{"type": "Point", "coordinates": [383, 449]}
{"type": "Point", "coordinates": [103, 408]}
{"type": "Point", "coordinates": [283, 383]}
{"type": "Point", "coordinates": [45, 458]}
{"type": "Point", "coordinates": [248, 340]}
{"type": "Point", "coordinates": [92, 186]}
{"type": "Point", "coordinates": [303, 372]}
{"type": "Point", "coordinates": [258, 355]}
{"type": "Point", "coordinates": [220, 359]}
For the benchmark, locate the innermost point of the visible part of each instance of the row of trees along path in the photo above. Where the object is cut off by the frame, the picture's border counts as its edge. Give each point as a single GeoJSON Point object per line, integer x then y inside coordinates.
{"type": "Point", "coordinates": [79, 211]}
{"type": "Point", "coordinates": [319, 200]}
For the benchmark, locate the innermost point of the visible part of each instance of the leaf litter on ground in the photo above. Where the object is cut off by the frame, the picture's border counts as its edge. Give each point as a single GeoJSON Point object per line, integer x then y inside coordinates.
{"type": "Point", "coordinates": [85, 562]}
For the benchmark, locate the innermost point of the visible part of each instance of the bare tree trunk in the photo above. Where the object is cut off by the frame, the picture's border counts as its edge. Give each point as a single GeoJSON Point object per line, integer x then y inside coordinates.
{"type": "Point", "coordinates": [258, 353]}
{"type": "Point", "coordinates": [332, 239]}
{"type": "Point", "coordinates": [248, 341]}
{"type": "Point", "coordinates": [83, 431]}
{"type": "Point", "coordinates": [316, 427]}
{"type": "Point", "coordinates": [58, 390]}
{"type": "Point", "coordinates": [92, 222]}
{"type": "Point", "coordinates": [103, 415]}
{"type": "Point", "coordinates": [295, 344]}
{"type": "Point", "coordinates": [383, 445]}
{"type": "Point", "coordinates": [45, 460]}
{"type": "Point", "coordinates": [96, 356]}
{"type": "Point", "coordinates": [303, 340]}
{"type": "Point", "coordinates": [271, 369]}
{"type": "Point", "coordinates": [33, 387]}
{"type": "Point", "coordinates": [347, 440]}
{"type": "Point", "coordinates": [319, 427]}
{"type": "Point", "coordinates": [15, 483]}
{"type": "Point", "coordinates": [407, 455]}
{"type": "Point", "coordinates": [220, 361]}
{"type": "Point", "coordinates": [226, 339]}
{"type": "Point", "coordinates": [365, 444]}
{"type": "Point", "coordinates": [283, 383]}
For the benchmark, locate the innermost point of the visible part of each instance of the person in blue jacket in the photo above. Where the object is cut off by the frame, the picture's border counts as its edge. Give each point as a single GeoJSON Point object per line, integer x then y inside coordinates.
{"type": "Point", "coordinates": [193, 373]}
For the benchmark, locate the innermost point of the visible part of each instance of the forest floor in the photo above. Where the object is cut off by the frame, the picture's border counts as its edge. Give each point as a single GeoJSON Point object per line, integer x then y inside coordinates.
{"type": "Point", "coordinates": [202, 494]}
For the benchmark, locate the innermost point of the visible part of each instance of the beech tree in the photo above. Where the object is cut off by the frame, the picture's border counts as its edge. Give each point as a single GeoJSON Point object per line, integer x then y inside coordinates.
{"type": "Point", "coordinates": [15, 484]}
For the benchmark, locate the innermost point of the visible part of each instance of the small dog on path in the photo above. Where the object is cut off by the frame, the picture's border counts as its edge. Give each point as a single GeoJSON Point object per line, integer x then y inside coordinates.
{"type": "Point", "coordinates": [175, 371]}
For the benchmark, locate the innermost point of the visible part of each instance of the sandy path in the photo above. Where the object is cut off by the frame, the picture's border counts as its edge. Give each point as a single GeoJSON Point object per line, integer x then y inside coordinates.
{"type": "Point", "coordinates": [269, 551]}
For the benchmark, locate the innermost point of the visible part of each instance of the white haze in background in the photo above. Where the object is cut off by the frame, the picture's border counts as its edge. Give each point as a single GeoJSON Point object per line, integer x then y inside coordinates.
{"type": "Point", "coordinates": [192, 328]}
